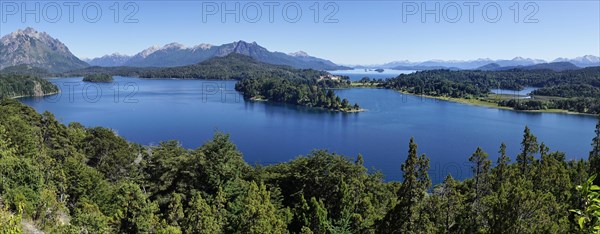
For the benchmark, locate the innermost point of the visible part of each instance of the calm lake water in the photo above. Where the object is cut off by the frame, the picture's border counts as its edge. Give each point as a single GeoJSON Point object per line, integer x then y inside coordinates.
{"type": "Point", "coordinates": [151, 111]}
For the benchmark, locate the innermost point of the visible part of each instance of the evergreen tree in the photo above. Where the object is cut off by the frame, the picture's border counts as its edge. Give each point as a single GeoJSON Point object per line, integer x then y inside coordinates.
{"type": "Point", "coordinates": [481, 167]}
{"type": "Point", "coordinates": [258, 214]}
{"type": "Point", "coordinates": [201, 217]}
{"type": "Point", "coordinates": [403, 217]}
{"type": "Point", "coordinates": [529, 147]}
{"type": "Point", "coordinates": [221, 161]}
{"type": "Point", "coordinates": [89, 219]}
{"type": "Point", "coordinates": [594, 157]}
{"type": "Point", "coordinates": [6, 149]}
{"type": "Point", "coordinates": [318, 222]}
{"type": "Point", "coordinates": [544, 150]}
{"type": "Point", "coordinates": [134, 213]}
{"type": "Point", "coordinates": [451, 203]}
{"type": "Point", "coordinates": [501, 167]}
{"type": "Point", "coordinates": [423, 175]}
{"type": "Point", "coordinates": [175, 213]}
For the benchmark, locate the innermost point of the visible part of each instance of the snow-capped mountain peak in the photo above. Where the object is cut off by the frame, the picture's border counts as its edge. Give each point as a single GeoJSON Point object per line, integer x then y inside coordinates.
{"type": "Point", "coordinates": [203, 46]}
{"type": "Point", "coordinates": [299, 54]}
{"type": "Point", "coordinates": [149, 51]}
{"type": "Point", "coordinates": [173, 45]}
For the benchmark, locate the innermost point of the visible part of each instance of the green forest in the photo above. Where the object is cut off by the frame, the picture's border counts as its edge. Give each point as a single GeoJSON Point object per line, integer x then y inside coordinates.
{"type": "Point", "coordinates": [98, 78]}
{"type": "Point", "coordinates": [572, 90]}
{"type": "Point", "coordinates": [298, 92]}
{"type": "Point", "coordinates": [72, 179]}
{"type": "Point", "coordinates": [24, 85]}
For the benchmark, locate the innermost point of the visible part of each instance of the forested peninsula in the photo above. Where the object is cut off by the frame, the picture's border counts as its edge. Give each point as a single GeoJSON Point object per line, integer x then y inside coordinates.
{"type": "Point", "coordinates": [13, 85]}
{"type": "Point", "coordinates": [572, 90]}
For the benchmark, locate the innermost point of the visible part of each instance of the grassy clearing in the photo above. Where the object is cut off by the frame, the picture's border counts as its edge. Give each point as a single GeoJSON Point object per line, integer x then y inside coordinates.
{"type": "Point", "coordinates": [491, 102]}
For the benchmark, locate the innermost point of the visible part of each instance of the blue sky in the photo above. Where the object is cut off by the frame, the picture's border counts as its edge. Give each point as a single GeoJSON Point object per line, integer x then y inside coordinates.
{"type": "Point", "coordinates": [366, 32]}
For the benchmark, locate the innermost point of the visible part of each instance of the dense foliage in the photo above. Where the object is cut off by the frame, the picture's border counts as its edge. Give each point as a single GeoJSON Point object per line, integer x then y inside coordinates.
{"type": "Point", "coordinates": [574, 90]}
{"type": "Point", "coordinates": [24, 85]}
{"type": "Point", "coordinates": [72, 179]}
{"type": "Point", "coordinates": [581, 105]}
{"type": "Point", "coordinates": [98, 78]}
{"type": "Point", "coordinates": [303, 92]}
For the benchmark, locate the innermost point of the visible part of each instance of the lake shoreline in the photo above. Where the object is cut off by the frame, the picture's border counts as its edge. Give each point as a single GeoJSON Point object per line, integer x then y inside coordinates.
{"type": "Point", "coordinates": [34, 96]}
{"type": "Point", "coordinates": [486, 104]}
{"type": "Point", "coordinates": [168, 109]}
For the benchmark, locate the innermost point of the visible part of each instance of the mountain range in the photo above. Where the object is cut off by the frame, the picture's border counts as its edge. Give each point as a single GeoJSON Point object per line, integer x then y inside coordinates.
{"type": "Point", "coordinates": [38, 49]}
{"type": "Point", "coordinates": [555, 66]}
{"type": "Point", "coordinates": [34, 49]}
{"type": "Point", "coordinates": [175, 54]}
{"type": "Point", "coordinates": [583, 61]}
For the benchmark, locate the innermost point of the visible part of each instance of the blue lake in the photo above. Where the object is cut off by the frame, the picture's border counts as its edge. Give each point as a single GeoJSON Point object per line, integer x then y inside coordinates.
{"type": "Point", "coordinates": [151, 111]}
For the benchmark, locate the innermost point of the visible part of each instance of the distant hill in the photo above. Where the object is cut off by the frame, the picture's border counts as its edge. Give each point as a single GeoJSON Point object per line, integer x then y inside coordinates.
{"type": "Point", "coordinates": [38, 49]}
{"type": "Point", "coordinates": [555, 66]}
{"type": "Point", "coordinates": [175, 54]}
{"type": "Point", "coordinates": [490, 67]}
{"type": "Point", "coordinates": [232, 66]}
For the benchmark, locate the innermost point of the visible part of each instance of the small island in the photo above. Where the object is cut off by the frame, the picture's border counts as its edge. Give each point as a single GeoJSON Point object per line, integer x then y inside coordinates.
{"type": "Point", "coordinates": [295, 92]}
{"type": "Point", "coordinates": [98, 78]}
{"type": "Point", "coordinates": [380, 70]}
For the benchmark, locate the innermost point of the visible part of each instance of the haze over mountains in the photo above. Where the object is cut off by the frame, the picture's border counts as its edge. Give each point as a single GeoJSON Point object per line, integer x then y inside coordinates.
{"type": "Point", "coordinates": [555, 66]}
{"type": "Point", "coordinates": [583, 61]}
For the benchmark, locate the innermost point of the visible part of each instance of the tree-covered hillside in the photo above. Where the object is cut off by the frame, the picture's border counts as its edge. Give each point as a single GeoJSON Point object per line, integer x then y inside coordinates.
{"type": "Point", "coordinates": [24, 85]}
{"type": "Point", "coordinates": [232, 67]}
{"type": "Point", "coordinates": [71, 179]}
{"type": "Point", "coordinates": [572, 90]}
